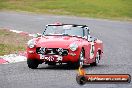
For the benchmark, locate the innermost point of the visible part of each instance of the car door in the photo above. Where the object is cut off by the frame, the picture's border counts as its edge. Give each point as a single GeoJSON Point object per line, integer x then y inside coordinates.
{"type": "Point", "coordinates": [90, 47]}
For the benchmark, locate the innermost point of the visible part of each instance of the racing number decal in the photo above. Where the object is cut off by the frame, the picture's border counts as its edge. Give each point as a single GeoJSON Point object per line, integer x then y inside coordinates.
{"type": "Point", "coordinates": [50, 58]}
{"type": "Point", "coordinates": [92, 50]}
{"type": "Point", "coordinates": [42, 56]}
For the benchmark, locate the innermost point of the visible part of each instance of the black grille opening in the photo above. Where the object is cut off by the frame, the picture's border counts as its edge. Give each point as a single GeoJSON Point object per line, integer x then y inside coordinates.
{"type": "Point", "coordinates": [52, 51]}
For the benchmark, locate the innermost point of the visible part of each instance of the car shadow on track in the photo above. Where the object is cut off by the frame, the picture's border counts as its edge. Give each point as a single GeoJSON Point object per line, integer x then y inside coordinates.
{"type": "Point", "coordinates": [67, 67]}
{"type": "Point", "coordinates": [58, 67]}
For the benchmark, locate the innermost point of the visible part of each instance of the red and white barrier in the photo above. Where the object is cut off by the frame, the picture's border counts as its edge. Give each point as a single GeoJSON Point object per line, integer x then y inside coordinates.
{"type": "Point", "coordinates": [22, 33]}
{"type": "Point", "coordinates": [13, 58]}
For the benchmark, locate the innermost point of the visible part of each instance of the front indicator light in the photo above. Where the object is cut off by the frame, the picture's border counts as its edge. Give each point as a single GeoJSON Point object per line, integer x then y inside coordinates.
{"type": "Point", "coordinates": [72, 54]}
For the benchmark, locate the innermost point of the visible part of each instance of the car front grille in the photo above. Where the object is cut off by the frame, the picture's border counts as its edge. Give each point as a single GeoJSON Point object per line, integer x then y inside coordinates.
{"type": "Point", "coordinates": [52, 51]}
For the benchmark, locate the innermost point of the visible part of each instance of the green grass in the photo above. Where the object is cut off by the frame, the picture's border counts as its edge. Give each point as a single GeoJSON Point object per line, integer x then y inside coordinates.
{"type": "Point", "coordinates": [11, 42]}
{"type": "Point", "coordinates": [111, 9]}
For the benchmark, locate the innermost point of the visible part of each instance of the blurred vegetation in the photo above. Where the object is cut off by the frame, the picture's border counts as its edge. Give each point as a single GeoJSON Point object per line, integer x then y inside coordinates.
{"type": "Point", "coordinates": [11, 42]}
{"type": "Point", "coordinates": [111, 9]}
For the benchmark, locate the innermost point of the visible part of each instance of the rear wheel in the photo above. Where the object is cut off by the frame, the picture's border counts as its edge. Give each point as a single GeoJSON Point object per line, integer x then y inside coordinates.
{"type": "Point", "coordinates": [97, 58]}
{"type": "Point", "coordinates": [33, 64]}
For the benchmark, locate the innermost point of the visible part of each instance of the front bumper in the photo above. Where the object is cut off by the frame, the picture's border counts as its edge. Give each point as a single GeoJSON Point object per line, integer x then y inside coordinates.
{"type": "Point", "coordinates": [71, 57]}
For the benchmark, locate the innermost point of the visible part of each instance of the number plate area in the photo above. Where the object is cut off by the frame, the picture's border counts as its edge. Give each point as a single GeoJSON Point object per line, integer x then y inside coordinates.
{"type": "Point", "coordinates": [54, 58]}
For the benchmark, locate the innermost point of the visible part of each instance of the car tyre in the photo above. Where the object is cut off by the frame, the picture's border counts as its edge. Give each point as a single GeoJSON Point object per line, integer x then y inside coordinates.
{"type": "Point", "coordinates": [97, 58]}
{"type": "Point", "coordinates": [80, 62]}
{"type": "Point", "coordinates": [33, 64]}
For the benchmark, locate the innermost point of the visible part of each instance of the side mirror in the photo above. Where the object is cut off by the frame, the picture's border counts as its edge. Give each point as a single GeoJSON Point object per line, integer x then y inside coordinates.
{"type": "Point", "coordinates": [88, 32]}
{"type": "Point", "coordinates": [89, 38]}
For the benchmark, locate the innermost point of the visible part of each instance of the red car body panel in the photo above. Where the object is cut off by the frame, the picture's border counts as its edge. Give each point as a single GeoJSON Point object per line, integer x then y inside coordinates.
{"type": "Point", "coordinates": [64, 42]}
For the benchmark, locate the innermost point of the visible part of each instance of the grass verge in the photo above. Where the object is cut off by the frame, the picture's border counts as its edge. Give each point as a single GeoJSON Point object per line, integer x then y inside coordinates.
{"type": "Point", "coordinates": [111, 9]}
{"type": "Point", "coordinates": [11, 42]}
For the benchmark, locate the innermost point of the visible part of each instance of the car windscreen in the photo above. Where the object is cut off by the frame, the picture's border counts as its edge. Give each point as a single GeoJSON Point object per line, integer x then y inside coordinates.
{"type": "Point", "coordinates": [64, 29]}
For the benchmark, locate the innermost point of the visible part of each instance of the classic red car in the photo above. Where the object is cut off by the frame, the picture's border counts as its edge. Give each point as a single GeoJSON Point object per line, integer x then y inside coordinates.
{"type": "Point", "coordinates": [64, 43]}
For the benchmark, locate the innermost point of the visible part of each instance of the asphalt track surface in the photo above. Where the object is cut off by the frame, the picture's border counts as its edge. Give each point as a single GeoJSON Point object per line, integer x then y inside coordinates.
{"type": "Point", "coordinates": [117, 58]}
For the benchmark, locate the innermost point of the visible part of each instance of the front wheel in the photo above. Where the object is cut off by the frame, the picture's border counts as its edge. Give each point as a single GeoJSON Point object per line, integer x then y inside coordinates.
{"type": "Point", "coordinates": [80, 62]}
{"type": "Point", "coordinates": [97, 58]}
{"type": "Point", "coordinates": [33, 64]}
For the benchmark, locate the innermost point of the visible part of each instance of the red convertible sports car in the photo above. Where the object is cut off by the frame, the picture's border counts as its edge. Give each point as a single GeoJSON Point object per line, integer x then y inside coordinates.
{"type": "Point", "coordinates": [64, 43]}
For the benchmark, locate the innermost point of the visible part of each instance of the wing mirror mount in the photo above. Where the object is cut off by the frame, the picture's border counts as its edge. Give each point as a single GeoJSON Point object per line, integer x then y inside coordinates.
{"type": "Point", "coordinates": [37, 35]}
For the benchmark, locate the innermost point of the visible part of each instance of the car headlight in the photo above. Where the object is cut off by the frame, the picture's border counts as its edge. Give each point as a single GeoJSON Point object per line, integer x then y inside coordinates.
{"type": "Point", "coordinates": [31, 43]}
{"type": "Point", "coordinates": [73, 46]}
